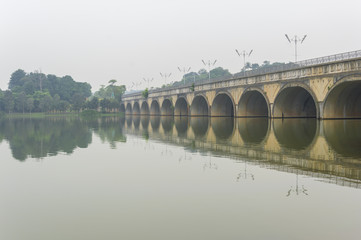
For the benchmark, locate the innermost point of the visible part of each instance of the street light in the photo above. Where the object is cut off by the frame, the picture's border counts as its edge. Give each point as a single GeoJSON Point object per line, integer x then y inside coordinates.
{"type": "Point", "coordinates": [209, 64]}
{"type": "Point", "coordinates": [295, 40]}
{"type": "Point", "coordinates": [148, 80]}
{"type": "Point", "coordinates": [165, 76]}
{"type": "Point", "coordinates": [244, 54]}
{"type": "Point", "coordinates": [184, 70]}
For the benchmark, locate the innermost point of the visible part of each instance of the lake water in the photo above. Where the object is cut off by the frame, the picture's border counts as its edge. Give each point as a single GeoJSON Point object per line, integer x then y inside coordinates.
{"type": "Point", "coordinates": [179, 178]}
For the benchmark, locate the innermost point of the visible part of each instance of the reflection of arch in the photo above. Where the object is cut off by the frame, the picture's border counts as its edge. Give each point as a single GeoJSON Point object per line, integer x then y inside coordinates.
{"type": "Point", "coordinates": [167, 123]}
{"type": "Point", "coordinates": [295, 100]}
{"type": "Point", "coordinates": [122, 108]}
{"type": "Point", "coordinates": [144, 110]}
{"type": "Point", "coordinates": [253, 130]}
{"type": "Point", "coordinates": [136, 108]}
{"type": "Point", "coordinates": [199, 106]}
{"type": "Point", "coordinates": [129, 121]}
{"type": "Point", "coordinates": [223, 127]}
{"type": "Point", "coordinates": [145, 122]}
{"type": "Point", "coordinates": [344, 136]}
{"type": "Point", "coordinates": [181, 107]}
{"type": "Point", "coordinates": [253, 103]}
{"type": "Point", "coordinates": [344, 99]}
{"type": "Point", "coordinates": [155, 123]}
{"type": "Point", "coordinates": [223, 105]}
{"type": "Point", "coordinates": [154, 108]}
{"type": "Point", "coordinates": [200, 126]}
{"type": "Point", "coordinates": [167, 108]}
{"type": "Point", "coordinates": [181, 124]}
{"type": "Point", "coordinates": [295, 134]}
{"type": "Point", "coordinates": [128, 110]}
{"type": "Point", "coordinates": [136, 122]}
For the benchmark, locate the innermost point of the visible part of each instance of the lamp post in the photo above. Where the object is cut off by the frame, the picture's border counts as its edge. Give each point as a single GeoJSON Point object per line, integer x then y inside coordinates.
{"type": "Point", "coordinates": [244, 54]}
{"type": "Point", "coordinates": [148, 80]}
{"type": "Point", "coordinates": [165, 76]}
{"type": "Point", "coordinates": [184, 70]}
{"type": "Point", "coordinates": [295, 40]}
{"type": "Point", "coordinates": [210, 64]}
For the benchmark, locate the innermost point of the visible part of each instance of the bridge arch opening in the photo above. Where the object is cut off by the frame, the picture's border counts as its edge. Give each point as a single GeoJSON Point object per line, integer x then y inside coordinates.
{"type": "Point", "coordinates": [136, 108]}
{"type": "Point", "coordinates": [128, 110]}
{"type": "Point", "coordinates": [222, 106]}
{"type": "Point", "coordinates": [122, 108]}
{"type": "Point", "coordinates": [181, 107]}
{"type": "Point", "coordinates": [294, 102]}
{"type": "Point", "coordinates": [167, 108]}
{"type": "Point", "coordinates": [199, 106]}
{"type": "Point", "coordinates": [154, 108]}
{"type": "Point", "coordinates": [344, 101]}
{"type": "Point", "coordinates": [252, 104]}
{"type": "Point", "coordinates": [144, 110]}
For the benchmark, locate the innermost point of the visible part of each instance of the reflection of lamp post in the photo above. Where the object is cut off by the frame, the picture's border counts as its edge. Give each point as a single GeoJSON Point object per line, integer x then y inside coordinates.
{"type": "Point", "coordinates": [209, 64]}
{"type": "Point", "coordinates": [295, 40]}
{"type": "Point", "coordinates": [184, 70]}
{"type": "Point", "coordinates": [244, 54]}
{"type": "Point", "coordinates": [245, 174]}
{"type": "Point", "coordinates": [297, 189]}
{"type": "Point", "coordinates": [165, 76]}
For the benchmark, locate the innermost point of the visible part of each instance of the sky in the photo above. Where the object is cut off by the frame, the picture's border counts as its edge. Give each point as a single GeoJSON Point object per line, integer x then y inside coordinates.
{"type": "Point", "coordinates": [95, 41]}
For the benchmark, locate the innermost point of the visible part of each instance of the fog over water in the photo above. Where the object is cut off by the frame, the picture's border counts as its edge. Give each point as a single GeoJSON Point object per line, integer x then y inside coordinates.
{"type": "Point", "coordinates": [95, 41]}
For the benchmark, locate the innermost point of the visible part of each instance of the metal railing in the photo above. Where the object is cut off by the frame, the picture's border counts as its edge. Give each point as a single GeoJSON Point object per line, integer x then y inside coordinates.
{"type": "Point", "coordinates": [264, 70]}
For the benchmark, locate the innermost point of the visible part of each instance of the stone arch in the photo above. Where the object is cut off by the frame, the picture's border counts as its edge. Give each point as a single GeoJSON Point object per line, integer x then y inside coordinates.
{"type": "Point", "coordinates": [344, 99]}
{"type": "Point", "coordinates": [223, 105]}
{"type": "Point", "coordinates": [181, 107]}
{"type": "Point", "coordinates": [144, 110]}
{"type": "Point", "coordinates": [295, 100]}
{"type": "Point", "coordinates": [167, 108]}
{"type": "Point", "coordinates": [253, 103]}
{"type": "Point", "coordinates": [129, 109]}
{"type": "Point", "coordinates": [136, 108]}
{"type": "Point", "coordinates": [155, 108]}
{"type": "Point", "coordinates": [122, 108]}
{"type": "Point", "coordinates": [200, 106]}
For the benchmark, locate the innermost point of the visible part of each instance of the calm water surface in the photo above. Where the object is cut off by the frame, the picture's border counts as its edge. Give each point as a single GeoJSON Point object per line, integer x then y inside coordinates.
{"type": "Point", "coordinates": [179, 178]}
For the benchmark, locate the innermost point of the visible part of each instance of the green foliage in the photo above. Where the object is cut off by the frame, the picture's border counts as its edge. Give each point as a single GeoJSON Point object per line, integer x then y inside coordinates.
{"type": "Point", "coordinates": [90, 114]}
{"type": "Point", "coordinates": [145, 93]}
{"type": "Point", "coordinates": [192, 87]}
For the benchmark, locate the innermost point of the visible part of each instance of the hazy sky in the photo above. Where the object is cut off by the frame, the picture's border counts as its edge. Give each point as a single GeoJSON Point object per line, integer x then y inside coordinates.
{"type": "Point", "coordinates": [128, 40]}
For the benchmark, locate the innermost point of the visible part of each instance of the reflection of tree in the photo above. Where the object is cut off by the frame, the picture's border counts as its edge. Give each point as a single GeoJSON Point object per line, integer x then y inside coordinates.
{"type": "Point", "coordinates": [39, 138]}
{"type": "Point", "coordinates": [110, 130]}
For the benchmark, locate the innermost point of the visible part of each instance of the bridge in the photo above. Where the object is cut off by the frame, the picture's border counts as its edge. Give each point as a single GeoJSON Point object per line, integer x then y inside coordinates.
{"type": "Point", "coordinates": [324, 88]}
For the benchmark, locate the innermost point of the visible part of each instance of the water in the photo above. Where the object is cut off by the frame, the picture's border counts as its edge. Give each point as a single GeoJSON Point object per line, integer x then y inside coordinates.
{"type": "Point", "coordinates": [179, 178]}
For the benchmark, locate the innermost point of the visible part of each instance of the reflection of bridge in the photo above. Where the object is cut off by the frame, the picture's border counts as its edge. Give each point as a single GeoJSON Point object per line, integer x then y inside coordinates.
{"type": "Point", "coordinates": [328, 87]}
{"type": "Point", "coordinates": [307, 146]}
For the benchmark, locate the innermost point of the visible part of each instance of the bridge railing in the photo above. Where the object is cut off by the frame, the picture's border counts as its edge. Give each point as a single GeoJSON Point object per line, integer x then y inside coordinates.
{"type": "Point", "coordinates": [265, 70]}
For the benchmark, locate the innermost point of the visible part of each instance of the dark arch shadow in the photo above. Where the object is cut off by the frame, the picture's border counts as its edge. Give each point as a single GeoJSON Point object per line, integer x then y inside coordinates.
{"type": "Point", "coordinates": [200, 126]}
{"type": "Point", "coordinates": [223, 127]}
{"type": "Point", "coordinates": [154, 108]}
{"type": "Point", "coordinates": [223, 106]}
{"type": "Point", "coordinates": [199, 106]}
{"type": "Point", "coordinates": [181, 107]}
{"type": "Point", "coordinates": [167, 108]}
{"type": "Point", "coordinates": [252, 104]}
{"type": "Point", "coordinates": [155, 123]}
{"type": "Point", "coordinates": [294, 102]}
{"type": "Point", "coordinates": [181, 124]}
{"type": "Point", "coordinates": [144, 110]}
{"type": "Point", "coordinates": [167, 124]}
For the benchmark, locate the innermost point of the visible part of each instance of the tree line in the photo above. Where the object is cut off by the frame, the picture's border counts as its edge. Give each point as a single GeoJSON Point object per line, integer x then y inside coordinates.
{"type": "Point", "coordinates": [38, 92]}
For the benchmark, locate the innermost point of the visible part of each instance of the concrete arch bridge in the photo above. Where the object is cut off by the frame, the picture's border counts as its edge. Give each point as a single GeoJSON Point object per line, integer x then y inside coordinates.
{"type": "Point", "coordinates": [324, 88]}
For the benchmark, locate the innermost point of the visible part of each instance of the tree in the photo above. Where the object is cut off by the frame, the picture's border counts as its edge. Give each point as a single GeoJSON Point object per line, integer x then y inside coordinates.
{"type": "Point", "coordinates": [15, 79]}
{"type": "Point", "coordinates": [29, 104]}
{"type": "Point", "coordinates": [93, 103]}
{"type": "Point", "coordinates": [145, 93]}
{"type": "Point", "coordinates": [8, 100]}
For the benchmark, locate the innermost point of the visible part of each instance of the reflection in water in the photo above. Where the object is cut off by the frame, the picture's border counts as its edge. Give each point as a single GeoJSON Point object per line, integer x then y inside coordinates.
{"type": "Point", "coordinates": [344, 136]}
{"type": "Point", "coordinates": [223, 127]}
{"type": "Point", "coordinates": [181, 124]}
{"type": "Point", "coordinates": [155, 123]}
{"type": "Point", "coordinates": [167, 123]}
{"type": "Point", "coordinates": [295, 134]}
{"type": "Point", "coordinates": [145, 121]}
{"type": "Point", "coordinates": [136, 122]}
{"type": "Point", "coordinates": [129, 121]}
{"type": "Point", "coordinates": [200, 126]}
{"type": "Point", "coordinates": [253, 130]}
